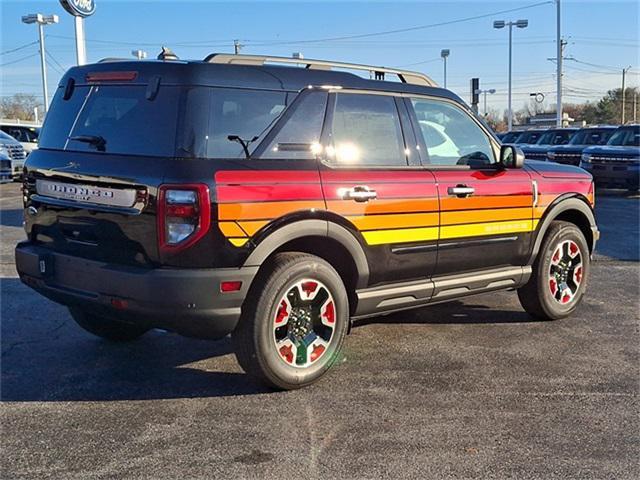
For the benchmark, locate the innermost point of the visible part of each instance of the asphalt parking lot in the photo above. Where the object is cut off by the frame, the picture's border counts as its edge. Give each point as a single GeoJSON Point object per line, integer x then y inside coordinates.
{"type": "Point", "coordinates": [472, 389]}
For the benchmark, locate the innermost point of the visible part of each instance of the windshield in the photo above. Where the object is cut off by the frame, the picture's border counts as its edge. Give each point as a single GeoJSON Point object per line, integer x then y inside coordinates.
{"type": "Point", "coordinates": [555, 137]}
{"type": "Point", "coordinates": [592, 137]}
{"type": "Point", "coordinates": [530, 137]}
{"type": "Point", "coordinates": [626, 137]}
{"type": "Point", "coordinates": [510, 137]}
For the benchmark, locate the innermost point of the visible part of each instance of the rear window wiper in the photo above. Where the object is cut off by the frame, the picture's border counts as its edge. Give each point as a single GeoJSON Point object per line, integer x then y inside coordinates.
{"type": "Point", "coordinates": [95, 140]}
{"type": "Point", "coordinates": [245, 143]}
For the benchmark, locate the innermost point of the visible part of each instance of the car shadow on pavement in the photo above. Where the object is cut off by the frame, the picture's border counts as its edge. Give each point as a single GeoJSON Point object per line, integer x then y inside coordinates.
{"type": "Point", "coordinates": [451, 313]}
{"type": "Point", "coordinates": [46, 357]}
{"type": "Point", "coordinates": [11, 218]}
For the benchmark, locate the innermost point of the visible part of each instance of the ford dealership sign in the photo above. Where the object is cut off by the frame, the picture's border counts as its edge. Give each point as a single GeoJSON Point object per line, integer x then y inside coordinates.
{"type": "Point", "coordinates": [79, 8]}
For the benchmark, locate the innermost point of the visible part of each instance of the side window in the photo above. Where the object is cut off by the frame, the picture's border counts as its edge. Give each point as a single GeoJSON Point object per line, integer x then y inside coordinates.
{"type": "Point", "coordinates": [366, 131]}
{"type": "Point", "coordinates": [300, 135]}
{"type": "Point", "coordinates": [451, 136]}
{"type": "Point", "coordinates": [243, 114]}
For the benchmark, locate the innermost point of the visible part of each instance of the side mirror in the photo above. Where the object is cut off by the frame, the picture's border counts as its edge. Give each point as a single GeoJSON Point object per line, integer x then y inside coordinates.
{"type": "Point", "coordinates": [511, 156]}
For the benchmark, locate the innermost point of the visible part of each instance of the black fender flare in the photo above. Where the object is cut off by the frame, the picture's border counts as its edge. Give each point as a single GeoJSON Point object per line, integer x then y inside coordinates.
{"type": "Point", "coordinates": [309, 228]}
{"type": "Point", "coordinates": [560, 205]}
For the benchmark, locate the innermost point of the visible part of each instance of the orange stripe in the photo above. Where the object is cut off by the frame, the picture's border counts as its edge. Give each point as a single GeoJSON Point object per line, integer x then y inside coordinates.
{"type": "Point", "coordinates": [488, 201]}
{"type": "Point", "coordinates": [252, 227]}
{"type": "Point", "coordinates": [349, 207]}
{"type": "Point", "coordinates": [252, 211]}
{"type": "Point", "coordinates": [231, 229]}
{"type": "Point", "coordinates": [375, 222]}
{"type": "Point", "coordinates": [476, 216]}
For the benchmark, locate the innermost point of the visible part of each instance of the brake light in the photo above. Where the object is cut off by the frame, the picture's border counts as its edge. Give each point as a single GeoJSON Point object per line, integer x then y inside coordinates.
{"type": "Point", "coordinates": [184, 215]}
{"type": "Point", "coordinates": [93, 77]}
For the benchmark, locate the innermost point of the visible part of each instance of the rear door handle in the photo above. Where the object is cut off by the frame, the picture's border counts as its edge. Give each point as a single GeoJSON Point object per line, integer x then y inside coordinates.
{"type": "Point", "coordinates": [359, 193]}
{"type": "Point", "coordinates": [461, 191]}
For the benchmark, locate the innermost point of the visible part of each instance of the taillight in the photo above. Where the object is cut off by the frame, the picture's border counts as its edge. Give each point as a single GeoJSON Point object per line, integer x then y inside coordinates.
{"type": "Point", "coordinates": [184, 215]}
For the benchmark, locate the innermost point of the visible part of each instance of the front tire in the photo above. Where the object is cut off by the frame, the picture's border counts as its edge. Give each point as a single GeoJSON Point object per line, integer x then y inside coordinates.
{"type": "Point", "coordinates": [293, 323]}
{"type": "Point", "coordinates": [106, 328]}
{"type": "Point", "coordinates": [560, 274]}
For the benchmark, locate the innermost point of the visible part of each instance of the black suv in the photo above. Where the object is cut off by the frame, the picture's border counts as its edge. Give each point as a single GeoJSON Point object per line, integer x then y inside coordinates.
{"type": "Point", "coordinates": [278, 203]}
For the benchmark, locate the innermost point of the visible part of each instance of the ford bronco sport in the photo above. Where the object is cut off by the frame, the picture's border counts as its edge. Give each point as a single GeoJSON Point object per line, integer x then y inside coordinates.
{"type": "Point", "coordinates": [248, 196]}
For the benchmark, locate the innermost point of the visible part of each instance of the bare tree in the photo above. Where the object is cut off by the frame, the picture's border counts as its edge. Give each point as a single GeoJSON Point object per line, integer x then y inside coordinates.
{"type": "Point", "coordinates": [20, 106]}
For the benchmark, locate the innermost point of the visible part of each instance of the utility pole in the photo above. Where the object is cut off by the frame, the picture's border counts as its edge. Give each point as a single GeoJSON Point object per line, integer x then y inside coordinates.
{"type": "Point", "coordinates": [624, 74]}
{"type": "Point", "coordinates": [42, 20]}
{"type": "Point", "coordinates": [560, 45]}
{"type": "Point", "coordinates": [635, 106]}
{"type": "Point", "coordinates": [237, 46]}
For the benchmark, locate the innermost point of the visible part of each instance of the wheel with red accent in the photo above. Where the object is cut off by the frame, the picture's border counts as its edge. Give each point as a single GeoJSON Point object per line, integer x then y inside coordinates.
{"type": "Point", "coordinates": [294, 321]}
{"type": "Point", "coordinates": [560, 273]}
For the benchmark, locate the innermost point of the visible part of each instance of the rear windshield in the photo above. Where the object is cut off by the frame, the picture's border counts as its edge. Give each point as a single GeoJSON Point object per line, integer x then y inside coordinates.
{"type": "Point", "coordinates": [181, 121]}
{"type": "Point", "coordinates": [122, 117]}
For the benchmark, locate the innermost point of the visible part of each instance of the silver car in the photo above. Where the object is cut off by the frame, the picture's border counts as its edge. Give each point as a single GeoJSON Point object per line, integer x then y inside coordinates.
{"type": "Point", "coordinates": [15, 151]}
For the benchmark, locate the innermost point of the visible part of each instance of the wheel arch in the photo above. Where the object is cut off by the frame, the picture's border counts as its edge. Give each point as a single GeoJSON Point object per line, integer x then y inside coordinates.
{"type": "Point", "coordinates": [570, 208]}
{"type": "Point", "coordinates": [328, 240]}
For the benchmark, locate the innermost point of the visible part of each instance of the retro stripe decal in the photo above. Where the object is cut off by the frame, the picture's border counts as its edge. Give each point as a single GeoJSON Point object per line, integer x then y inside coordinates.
{"type": "Point", "coordinates": [406, 211]}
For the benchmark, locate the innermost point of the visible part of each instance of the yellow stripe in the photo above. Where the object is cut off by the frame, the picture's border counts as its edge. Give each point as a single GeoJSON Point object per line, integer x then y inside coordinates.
{"type": "Point", "coordinates": [238, 242]}
{"type": "Point", "coordinates": [404, 235]}
{"type": "Point", "coordinates": [482, 229]}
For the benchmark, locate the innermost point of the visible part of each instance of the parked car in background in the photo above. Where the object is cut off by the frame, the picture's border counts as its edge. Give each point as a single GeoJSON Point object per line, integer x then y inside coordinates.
{"type": "Point", "coordinates": [5, 166]}
{"type": "Point", "coordinates": [570, 153]}
{"type": "Point", "coordinates": [618, 162]}
{"type": "Point", "coordinates": [550, 138]}
{"type": "Point", "coordinates": [27, 135]}
{"type": "Point", "coordinates": [15, 151]}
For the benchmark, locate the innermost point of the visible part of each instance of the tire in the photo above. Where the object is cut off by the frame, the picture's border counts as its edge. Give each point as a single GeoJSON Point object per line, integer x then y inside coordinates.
{"type": "Point", "coordinates": [285, 357]}
{"type": "Point", "coordinates": [107, 328]}
{"type": "Point", "coordinates": [552, 274]}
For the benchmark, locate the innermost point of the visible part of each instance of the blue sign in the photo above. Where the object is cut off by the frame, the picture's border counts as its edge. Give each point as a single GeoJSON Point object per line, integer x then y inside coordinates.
{"type": "Point", "coordinates": [79, 8]}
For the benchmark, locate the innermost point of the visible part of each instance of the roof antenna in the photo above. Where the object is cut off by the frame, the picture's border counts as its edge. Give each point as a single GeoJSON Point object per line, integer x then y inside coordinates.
{"type": "Point", "coordinates": [167, 54]}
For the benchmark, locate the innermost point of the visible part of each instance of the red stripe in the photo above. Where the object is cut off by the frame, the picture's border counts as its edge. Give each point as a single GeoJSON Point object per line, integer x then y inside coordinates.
{"type": "Point", "coordinates": [386, 190]}
{"type": "Point", "coordinates": [267, 193]}
{"type": "Point", "coordinates": [266, 176]}
{"type": "Point", "coordinates": [358, 177]}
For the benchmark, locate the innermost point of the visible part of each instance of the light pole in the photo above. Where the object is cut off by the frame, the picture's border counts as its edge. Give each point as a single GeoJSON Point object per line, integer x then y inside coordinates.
{"type": "Point", "coordinates": [560, 46]}
{"type": "Point", "coordinates": [42, 20]}
{"type": "Point", "coordinates": [491, 91]}
{"type": "Point", "coordinates": [502, 24]}
{"type": "Point", "coordinates": [444, 53]}
{"type": "Point", "coordinates": [624, 74]}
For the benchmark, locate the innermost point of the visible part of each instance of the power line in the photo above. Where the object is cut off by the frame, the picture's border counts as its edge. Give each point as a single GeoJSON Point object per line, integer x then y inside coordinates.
{"type": "Point", "coordinates": [19, 60]}
{"type": "Point", "coordinates": [26, 45]}
{"type": "Point", "coordinates": [61, 69]}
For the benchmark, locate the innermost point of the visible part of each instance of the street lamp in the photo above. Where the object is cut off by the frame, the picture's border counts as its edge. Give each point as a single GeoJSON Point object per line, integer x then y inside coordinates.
{"type": "Point", "coordinates": [444, 53]}
{"type": "Point", "coordinates": [502, 24]}
{"type": "Point", "coordinates": [491, 91]}
{"type": "Point", "coordinates": [42, 20]}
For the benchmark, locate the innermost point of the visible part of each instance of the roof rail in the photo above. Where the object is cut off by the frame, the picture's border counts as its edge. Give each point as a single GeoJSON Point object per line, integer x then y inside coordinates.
{"type": "Point", "coordinates": [415, 78]}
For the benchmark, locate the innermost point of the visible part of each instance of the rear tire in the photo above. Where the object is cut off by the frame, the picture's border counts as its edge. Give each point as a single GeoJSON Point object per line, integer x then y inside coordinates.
{"type": "Point", "coordinates": [560, 273]}
{"type": "Point", "coordinates": [293, 323]}
{"type": "Point", "coordinates": [107, 328]}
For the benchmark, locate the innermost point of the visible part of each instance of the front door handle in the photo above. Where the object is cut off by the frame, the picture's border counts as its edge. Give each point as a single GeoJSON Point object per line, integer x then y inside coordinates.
{"type": "Point", "coordinates": [461, 191]}
{"type": "Point", "coordinates": [359, 193]}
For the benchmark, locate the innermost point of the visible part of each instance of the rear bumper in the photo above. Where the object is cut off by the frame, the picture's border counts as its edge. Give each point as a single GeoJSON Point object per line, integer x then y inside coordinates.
{"type": "Point", "coordinates": [187, 301]}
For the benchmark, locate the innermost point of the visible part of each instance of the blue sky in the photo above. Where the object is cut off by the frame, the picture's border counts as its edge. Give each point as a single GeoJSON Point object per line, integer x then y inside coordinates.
{"type": "Point", "coordinates": [602, 34]}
